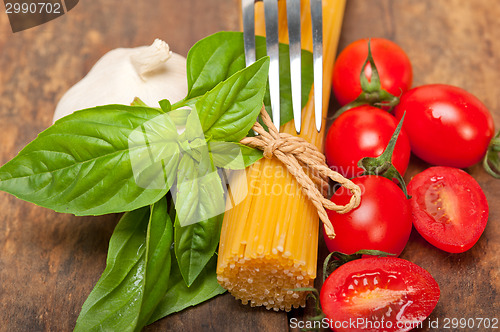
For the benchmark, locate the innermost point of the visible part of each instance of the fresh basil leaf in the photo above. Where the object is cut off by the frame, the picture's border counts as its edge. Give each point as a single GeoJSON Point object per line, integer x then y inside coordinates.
{"type": "Point", "coordinates": [230, 155]}
{"type": "Point", "coordinates": [158, 259]}
{"type": "Point", "coordinates": [199, 200]}
{"type": "Point", "coordinates": [250, 155]}
{"type": "Point", "coordinates": [198, 193]}
{"type": "Point", "coordinates": [228, 111]}
{"type": "Point", "coordinates": [193, 138]}
{"type": "Point", "coordinates": [185, 192]}
{"type": "Point", "coordinates": [155, 152]}
{"type": "Point", "coordinates": [125, 261]}
{"type": "Point", "coordinates": [138, 102]}
{"type": "Point", "coordinates": [307, 78]}
{"type": "Point", "coordinates": [136, 275]}
{"type": "Point", "coordinates": [165, 105]}
{"type": "Point", "coordinates": [179, 116]}
{"type": "Point", "coordinates": [213, 60]}
{"type": "Point", "coordinates": [219, 56]}
{"type": "Point", "coordinates": [179, 296]}
{"type": "Point", "coordinates": [82, 163]}
{"type": "Point", "coordinates": [194, 246]}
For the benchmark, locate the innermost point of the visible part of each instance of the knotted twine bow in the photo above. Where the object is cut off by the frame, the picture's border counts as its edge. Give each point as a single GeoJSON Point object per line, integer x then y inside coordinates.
{"type": "Point", "coordinates": [295, 152]}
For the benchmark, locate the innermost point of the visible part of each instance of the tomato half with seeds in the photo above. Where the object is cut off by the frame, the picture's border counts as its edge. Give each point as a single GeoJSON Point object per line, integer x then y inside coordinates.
{"type": "Point", "coordinates": [382, 221]}
{"type": "Point", "coordinates": [378, 294]}
{"type": "Point", "coordinates": [449, 208]}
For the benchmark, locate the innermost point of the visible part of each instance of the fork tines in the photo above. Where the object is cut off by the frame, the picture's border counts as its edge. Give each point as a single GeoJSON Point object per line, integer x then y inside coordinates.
{"type": "Point", "coordinates": [272, 45]}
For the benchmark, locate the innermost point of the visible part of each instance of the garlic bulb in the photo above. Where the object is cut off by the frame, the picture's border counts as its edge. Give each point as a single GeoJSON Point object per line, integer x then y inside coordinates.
{"type": "Point", "coordinates": [151, 73]}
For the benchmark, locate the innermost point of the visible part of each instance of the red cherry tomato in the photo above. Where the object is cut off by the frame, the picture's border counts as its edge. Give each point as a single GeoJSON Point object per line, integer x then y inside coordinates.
{"type": "Point", "coordinates": [392, 64]}
{"type": "Point", "coordinates": [449, 208]}
{"type": "Point", "coordinates": [446, 125]}
{"type": "Point", "coordinates": [364, 131]}
{"type": "Point", "coordinates": [382, 221]}
{"type": "Point", "coordinates": [378, 294]}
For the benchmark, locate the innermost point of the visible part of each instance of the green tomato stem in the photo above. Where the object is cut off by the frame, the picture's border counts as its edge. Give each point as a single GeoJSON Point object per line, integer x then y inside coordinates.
{"type": "Point", "coordinates": [382, 165]}
{"type": "Point", "coordinates": [491, 161]}
{"type": "Point", "coordinates": [372, 92]}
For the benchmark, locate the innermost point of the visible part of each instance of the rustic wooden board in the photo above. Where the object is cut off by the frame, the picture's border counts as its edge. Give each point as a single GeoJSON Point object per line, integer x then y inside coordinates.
{"type": "Point", "coordinates": [49, 262]}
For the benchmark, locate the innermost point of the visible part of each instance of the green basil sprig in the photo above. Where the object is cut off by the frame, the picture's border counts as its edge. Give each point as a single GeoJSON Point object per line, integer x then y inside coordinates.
{"type": "Point", "coordinates": [133, 159]}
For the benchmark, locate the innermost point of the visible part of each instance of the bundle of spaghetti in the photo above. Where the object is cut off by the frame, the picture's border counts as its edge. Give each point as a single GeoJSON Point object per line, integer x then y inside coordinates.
{"type": "Point", "coordinates": [269, 241]}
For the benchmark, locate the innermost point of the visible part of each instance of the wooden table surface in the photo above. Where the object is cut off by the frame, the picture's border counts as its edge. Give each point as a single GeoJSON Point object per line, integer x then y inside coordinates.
{"type": "Point", "coordinates": [49, 262]}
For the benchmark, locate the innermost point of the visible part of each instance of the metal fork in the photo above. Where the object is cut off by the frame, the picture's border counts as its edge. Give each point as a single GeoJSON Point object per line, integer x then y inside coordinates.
{"type": "Point", "coordinates": [294, 32]}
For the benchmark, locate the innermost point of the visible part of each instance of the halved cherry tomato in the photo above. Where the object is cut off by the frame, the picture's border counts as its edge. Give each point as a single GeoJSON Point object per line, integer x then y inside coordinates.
{"type": "Point", "coordinates": [378, 294]}
{"type": "Point", "coordinates": [449, 208]}
{"type": "Point", "coordinates": [382, 221]}
{"type": "Point", "coordinates": [446, 125]}
{"type": "Point", "coordinates": [393, 66]}
{"type": "Point", "coordinates": [364, 131]}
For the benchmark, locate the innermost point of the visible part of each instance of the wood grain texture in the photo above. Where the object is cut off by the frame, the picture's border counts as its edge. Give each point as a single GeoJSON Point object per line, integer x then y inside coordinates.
{"type": "Point", "coordinates": [49, 262]}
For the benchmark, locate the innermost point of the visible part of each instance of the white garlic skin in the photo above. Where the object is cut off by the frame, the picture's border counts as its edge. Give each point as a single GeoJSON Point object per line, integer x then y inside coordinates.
{"type": "Point", "coordinates": [151, 73]}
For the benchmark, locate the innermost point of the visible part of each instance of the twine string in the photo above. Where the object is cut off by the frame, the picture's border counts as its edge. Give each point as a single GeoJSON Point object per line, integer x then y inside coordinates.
{"type": "Point", "coordinates": [296, 154]}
